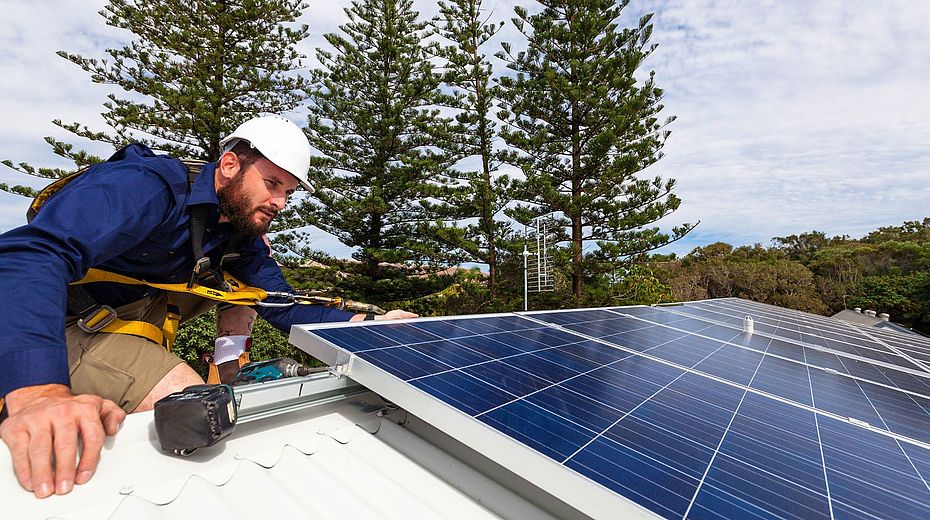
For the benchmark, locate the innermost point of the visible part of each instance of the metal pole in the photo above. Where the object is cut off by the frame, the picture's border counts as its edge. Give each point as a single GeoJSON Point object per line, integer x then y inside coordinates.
{"type": "Point", "coordinates": [526, 271]}
{"type": "Point", "coordinates": [544, 264]}
{"type": "Point", "coordinates": [539, 254]}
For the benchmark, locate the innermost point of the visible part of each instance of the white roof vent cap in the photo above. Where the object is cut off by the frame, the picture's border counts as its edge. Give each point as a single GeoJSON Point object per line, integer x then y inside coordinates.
{"type": "Point", "coordinates": [858, 309]}
{"type": "Point", "coordinates": [870, 313]}
{"type": "Point", "coordinates": [884, 316]}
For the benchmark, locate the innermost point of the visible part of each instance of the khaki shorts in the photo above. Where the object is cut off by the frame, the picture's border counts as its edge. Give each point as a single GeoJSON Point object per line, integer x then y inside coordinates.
{"type": "Point", "coordinates": [123, 368]}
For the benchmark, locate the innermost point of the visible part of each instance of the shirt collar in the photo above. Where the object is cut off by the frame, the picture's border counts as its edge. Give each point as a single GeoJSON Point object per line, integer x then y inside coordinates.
{"type": "Point", "coordinates": [203, 191]}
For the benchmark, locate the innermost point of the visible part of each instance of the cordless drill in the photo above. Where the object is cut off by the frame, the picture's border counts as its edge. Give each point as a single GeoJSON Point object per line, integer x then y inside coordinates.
{"type": "Point", "coordinates": [202, 415]}
{"type": "Point", "coordinates": [270, 370]}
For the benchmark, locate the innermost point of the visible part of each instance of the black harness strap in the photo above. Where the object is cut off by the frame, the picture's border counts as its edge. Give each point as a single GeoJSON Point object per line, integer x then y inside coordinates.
{"type": "Point", "coordinates": [198, 226]}
{"type": "Point", "coordinates": [204, 272]}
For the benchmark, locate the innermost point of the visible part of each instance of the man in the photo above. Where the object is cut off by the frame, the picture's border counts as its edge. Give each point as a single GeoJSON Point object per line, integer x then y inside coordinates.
{"type": "Point", "coordinates": [130, 215]}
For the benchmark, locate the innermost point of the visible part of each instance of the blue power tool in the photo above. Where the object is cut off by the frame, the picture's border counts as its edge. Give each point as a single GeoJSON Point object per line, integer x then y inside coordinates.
{"type": "Point", "coordinates": [271, 370]}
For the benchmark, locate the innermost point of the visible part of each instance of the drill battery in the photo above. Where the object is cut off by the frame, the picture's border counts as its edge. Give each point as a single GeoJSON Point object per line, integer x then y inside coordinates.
{"type": "Point", "coordinates": [196, 417]}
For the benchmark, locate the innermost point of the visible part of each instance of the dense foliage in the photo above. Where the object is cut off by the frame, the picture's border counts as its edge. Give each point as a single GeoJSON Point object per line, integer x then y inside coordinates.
{"type": "Point", "coordinates": [886, 271]}
{"type": "Point", "coordinates": [474, 196]}
{"type": "Point", "coordinates": [582, 127]}
{"type": "Point", "coordinates": [373, 116]}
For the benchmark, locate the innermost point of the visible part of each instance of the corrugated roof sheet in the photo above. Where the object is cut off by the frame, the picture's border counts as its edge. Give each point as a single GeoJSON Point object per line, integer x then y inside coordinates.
{"type": "Point", "coordinates": [332, 461]}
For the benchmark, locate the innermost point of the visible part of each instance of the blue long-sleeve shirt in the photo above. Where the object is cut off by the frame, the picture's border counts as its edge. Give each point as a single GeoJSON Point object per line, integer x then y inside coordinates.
{"type": "Point", "coordinates": [129, 215]}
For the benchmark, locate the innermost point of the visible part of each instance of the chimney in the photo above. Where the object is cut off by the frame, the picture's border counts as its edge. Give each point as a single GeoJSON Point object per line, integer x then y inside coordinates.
{"type": "Point", "coordinates": [884, 316]}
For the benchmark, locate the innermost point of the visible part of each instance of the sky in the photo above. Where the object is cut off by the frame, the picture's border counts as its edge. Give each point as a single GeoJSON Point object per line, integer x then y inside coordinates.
{"type": "Point", "coordinates": [792, 116]}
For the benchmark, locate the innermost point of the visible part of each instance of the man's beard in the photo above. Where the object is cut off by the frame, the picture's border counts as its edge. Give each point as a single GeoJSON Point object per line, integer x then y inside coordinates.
{"type": "Point", "coordinates": [237, 207]}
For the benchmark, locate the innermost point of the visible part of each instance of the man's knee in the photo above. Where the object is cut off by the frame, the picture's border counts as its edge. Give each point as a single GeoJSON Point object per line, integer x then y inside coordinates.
{"type": "Point", "coordinates": [178, 378]}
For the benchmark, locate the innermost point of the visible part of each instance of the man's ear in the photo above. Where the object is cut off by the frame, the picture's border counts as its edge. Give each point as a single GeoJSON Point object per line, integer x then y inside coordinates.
{"type": "Point", "coordinates": [227, 167]}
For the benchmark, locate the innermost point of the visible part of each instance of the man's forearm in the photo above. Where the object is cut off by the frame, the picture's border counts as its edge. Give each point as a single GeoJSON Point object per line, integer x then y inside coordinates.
{"type": "Point", "coordinates": [233, 331]}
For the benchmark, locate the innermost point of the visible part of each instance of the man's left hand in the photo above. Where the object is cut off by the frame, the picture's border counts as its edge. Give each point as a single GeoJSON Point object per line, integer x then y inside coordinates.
{"type": "Point", "coordinates": [396, 314]}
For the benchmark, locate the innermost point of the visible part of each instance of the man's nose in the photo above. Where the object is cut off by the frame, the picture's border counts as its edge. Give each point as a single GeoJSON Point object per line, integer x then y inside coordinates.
{"type": "Point", "coordinates": [278, 202]}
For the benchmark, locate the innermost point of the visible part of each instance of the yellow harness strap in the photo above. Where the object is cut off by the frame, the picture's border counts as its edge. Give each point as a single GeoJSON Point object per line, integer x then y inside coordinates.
{"type": "Point", "coordinates": [240, 294]}
{"type": "Point", "coordinates": [141, 329]}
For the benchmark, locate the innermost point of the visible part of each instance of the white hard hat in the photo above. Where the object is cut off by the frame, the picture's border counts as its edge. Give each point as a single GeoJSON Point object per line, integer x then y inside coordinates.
{"type": "Point", "coordinates": [279, 140]}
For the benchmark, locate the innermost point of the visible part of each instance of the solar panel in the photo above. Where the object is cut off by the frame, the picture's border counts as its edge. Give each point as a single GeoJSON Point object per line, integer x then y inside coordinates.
{"type": "Point", "coordinates": [842, 339]}
{"type": "Point", "coordinates": [674, 409]}
{"type": "Point", "coordinates": [891, 369]}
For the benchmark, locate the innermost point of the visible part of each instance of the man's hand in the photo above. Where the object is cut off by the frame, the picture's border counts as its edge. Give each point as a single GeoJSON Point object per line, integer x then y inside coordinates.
{"type": "Point", "coordinates": [396, 314]}
{"type": "Point", "coordinates": [45, 421]}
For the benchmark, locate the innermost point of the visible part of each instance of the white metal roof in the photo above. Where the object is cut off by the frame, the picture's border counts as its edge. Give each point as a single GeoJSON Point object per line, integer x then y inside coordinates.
{"type": "Point", "coordinates": [341, 459]}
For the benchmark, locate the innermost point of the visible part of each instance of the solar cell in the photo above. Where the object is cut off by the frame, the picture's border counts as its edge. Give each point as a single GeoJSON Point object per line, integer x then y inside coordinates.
{"type": "Point", "coordinates": [676, 410]}
{"type": "Point", "coordinates": [783, 379]}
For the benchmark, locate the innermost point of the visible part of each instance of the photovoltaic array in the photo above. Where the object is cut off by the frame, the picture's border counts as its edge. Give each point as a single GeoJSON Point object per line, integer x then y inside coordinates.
{"type": "Point", "coordinates": [681, 409]}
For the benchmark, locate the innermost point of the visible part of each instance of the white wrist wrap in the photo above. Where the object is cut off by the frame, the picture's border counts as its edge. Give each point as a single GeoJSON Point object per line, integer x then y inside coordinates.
{"type": "Point", "coordinates": [228, 348]}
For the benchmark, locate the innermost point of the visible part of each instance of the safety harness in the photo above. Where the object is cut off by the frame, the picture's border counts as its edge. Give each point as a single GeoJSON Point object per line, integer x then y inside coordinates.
{"type": "Point", "coordinates": [206, 281]}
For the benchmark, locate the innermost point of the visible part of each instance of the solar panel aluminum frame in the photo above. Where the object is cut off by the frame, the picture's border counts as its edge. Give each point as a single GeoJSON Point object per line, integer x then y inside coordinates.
{"type": "Point", "coordinates": [578, 492]}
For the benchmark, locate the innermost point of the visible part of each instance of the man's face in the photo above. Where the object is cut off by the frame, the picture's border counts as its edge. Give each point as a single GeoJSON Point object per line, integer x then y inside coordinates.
{"type": "Point", "coordinates": [252, 198]}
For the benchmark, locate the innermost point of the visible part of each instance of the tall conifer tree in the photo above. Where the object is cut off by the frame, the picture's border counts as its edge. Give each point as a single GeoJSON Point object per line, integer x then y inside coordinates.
{"type": "Point", "coordinates": [371, 116]}
{"type": "Point", "coordinates": [582, 127]}
{"type": "Point", "coordinates": [472, 194]}
{"type": "Point", "coordinates": [195, 69]}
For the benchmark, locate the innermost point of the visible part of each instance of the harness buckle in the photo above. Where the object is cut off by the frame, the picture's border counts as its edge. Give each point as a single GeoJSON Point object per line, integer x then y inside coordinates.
{"type": "Point", "coordinates": [203, 264]}
{"type": "Point", "coordinates": [100, 318]}
{"type": "Point", "coordinates": [229, 258]}
{"type": "Point", "coordinates": [289, 298]}
{"type": "Point", "coordinates": [205, 275]}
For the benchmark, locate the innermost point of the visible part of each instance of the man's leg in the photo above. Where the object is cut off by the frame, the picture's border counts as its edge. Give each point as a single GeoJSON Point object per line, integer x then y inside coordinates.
{"type": "Point", "coordinates": [178, 378]}
{"type": "Point", "coordinates": [131, 371]}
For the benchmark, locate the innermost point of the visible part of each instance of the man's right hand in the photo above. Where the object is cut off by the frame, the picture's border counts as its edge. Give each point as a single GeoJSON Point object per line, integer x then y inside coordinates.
{"type": "Point", "coordinates": [46, 421]}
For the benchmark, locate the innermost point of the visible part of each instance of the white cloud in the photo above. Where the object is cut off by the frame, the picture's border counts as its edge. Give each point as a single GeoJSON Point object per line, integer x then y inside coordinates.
{"type": "Point", "coordinates": [792, 116]}
{"type": "Point", "coordinates": [795, 116]}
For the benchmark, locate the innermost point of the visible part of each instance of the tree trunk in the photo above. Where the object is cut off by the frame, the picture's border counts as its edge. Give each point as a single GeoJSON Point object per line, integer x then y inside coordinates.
{"type": "Point", "coordinates": [486, 205]}
{"type": "Point", "coordinates": [577, 253]}
{"type": "Point", "coordinates": [374, 241]}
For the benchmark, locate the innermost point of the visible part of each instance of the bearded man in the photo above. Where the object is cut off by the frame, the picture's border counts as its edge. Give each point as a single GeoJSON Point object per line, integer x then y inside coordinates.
{"type": "Point", "coordinates": [64, 377]}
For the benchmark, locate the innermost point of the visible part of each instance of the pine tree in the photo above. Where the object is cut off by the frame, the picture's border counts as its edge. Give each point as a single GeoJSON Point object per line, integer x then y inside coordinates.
{"type": "Point", "coordinates": [196, 69]}
{"type": "Point", "coordinates": [471, 194]}
{"type": "Point", "coordinates": [371, 116]}
{"type": "Point", "coordinates": [582, 127]}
